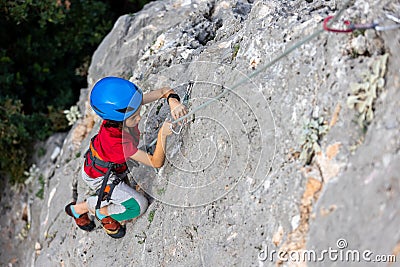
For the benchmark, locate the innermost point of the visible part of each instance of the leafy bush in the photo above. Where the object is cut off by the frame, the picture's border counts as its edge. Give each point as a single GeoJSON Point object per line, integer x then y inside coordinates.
{"type": "Point", "coordinates": [17, 133]}
{"type": "Point", "coordinates": [43, 44]}
{"type": "Point", "coordinates": [45, 49]}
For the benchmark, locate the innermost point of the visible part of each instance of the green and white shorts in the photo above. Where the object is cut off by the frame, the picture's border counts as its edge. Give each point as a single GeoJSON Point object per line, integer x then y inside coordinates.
{"type": "Point", "coordinates": [125, 203]}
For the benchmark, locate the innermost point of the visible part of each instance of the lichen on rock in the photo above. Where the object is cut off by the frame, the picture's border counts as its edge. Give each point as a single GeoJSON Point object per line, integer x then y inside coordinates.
{"type": "Point", "coordinates": [364, 93]}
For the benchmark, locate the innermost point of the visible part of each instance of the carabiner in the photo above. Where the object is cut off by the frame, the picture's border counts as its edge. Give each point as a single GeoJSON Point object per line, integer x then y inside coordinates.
{"type": "Point", "coordinates": [350, 26]}
{"type": "Point", "coordinates": [179, 131]}
{"type": "Point", "coordinates": [326, 28]}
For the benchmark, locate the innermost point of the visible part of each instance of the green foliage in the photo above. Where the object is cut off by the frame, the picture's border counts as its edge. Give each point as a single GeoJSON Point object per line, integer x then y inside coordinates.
{"type": "Point", "coordinates": [44, 44]}
{"type": "Point", "coordinates": [40, 192]}
{"type": "Point", "coordinates": [41, 152]}
{"type": "Point", "coordinates": [141, 238]}
{"type": "Point", "coordinates": [45, 50]}
{"type": "Point", "coordinates": [151, 216]}
{"type": "Point", "coordinates": [236, 48]}
{"type": "Point", "coordinates": [137, 4]}
{"type": "Point", "coordinates": [161, 191]}
{"type": "Point", "coordinates": [57, 119]}
{"type": "Point", "coordinates": [17, 132]}
{"type": "Point", "coordinates": [48, 11]}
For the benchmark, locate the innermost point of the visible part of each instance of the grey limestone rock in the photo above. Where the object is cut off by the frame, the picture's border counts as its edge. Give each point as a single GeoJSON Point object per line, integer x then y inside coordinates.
{"type": "Point", "coordinates": [233, 184]}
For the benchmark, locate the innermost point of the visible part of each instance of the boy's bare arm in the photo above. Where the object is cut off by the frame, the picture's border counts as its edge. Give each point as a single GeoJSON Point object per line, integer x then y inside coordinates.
{"type": "Point", "coordinates": [157, 159]}
{"type": "Point", "coordinates": [177, 109]}
{"type": "Point", "coordinates": [157, 94]}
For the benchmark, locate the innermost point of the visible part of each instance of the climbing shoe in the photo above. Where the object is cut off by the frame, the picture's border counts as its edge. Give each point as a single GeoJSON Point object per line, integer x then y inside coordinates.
{"type": "Point", "coordinates": [83, 221]}
{"type": "Point", "coordinates": [112, 227]}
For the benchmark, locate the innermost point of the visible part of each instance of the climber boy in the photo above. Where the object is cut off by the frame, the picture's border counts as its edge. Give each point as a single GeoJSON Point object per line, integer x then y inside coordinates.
{"type": "Point", "coordinates": [118, 102]}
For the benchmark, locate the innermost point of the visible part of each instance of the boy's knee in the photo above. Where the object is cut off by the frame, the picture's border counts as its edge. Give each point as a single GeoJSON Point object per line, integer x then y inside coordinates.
{"type": "Point", "coordinates": [143, 203]}
{"type": "Point", "coordinates": [134, 207]}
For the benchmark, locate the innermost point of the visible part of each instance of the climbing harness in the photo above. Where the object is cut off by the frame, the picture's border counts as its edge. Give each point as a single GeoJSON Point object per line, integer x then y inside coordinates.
{"type": "Point", "coordinates": [352, 27]}
{"type": "Point", "coordinates": [105, 191]}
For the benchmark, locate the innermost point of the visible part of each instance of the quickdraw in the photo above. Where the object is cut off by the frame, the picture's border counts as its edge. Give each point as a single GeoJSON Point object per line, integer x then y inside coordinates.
{"type": "Point", "coordinates": [352, 26]}
{"type": "Point", "coordinates": [188, 93]}
{"type": "Point", "coordinates": [185, 102]}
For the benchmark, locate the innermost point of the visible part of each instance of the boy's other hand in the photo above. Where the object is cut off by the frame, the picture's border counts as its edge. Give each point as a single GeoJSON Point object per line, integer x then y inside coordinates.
{"type": "Point", "coordinates": [177, 109]}
{"type": "Point", "coordinates": [166, 129]}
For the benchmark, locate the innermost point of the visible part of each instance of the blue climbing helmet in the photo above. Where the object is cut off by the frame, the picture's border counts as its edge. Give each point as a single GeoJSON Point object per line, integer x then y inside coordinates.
{"type": "Point", "coordinates": [115, 98]}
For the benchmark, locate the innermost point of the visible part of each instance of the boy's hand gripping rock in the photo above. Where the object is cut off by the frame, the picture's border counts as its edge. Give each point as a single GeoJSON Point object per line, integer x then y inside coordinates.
{"type": "Point", "coordinates": [166, 129]}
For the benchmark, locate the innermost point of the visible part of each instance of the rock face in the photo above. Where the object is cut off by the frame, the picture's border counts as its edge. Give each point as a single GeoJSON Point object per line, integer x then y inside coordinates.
{"type": "Point", "coordinates": [279, 162]}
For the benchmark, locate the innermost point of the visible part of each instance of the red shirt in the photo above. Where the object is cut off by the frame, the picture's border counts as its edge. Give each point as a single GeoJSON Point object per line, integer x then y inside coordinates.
{"type": "Point", "coordinates": [113, 145]}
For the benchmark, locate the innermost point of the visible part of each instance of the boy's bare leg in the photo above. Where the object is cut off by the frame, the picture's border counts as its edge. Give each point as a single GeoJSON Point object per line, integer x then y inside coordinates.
{"type": "Point", "coordinates": [81, 208]}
